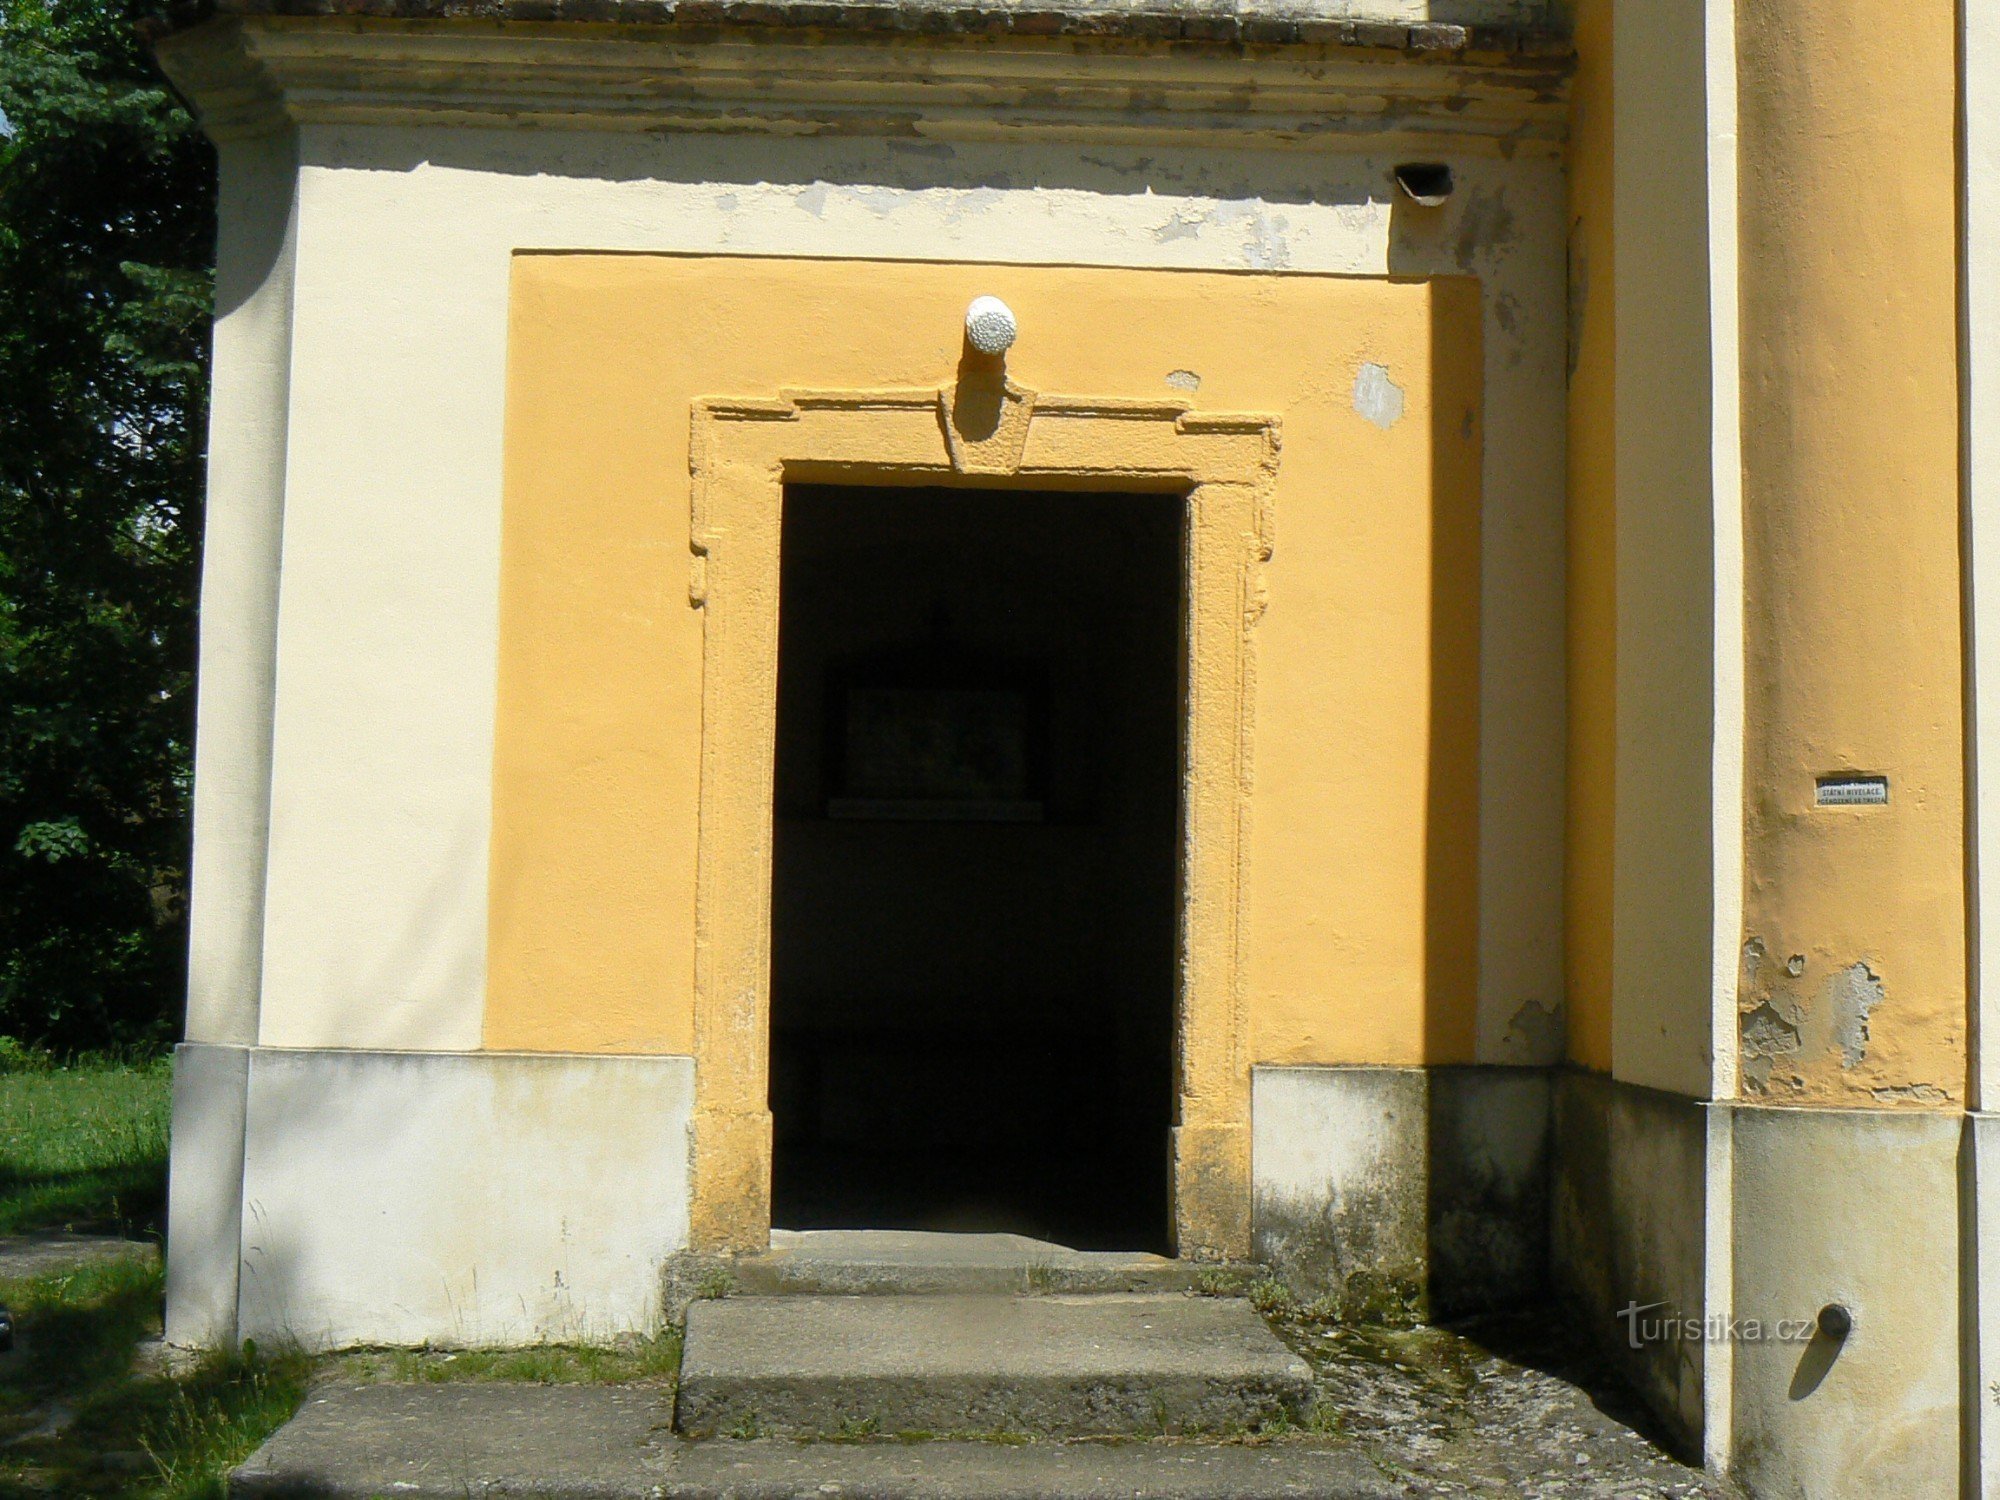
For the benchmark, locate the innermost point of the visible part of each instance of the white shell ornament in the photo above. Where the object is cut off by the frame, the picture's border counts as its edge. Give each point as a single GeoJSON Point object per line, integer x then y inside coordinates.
{"type": "Point", "coordinates": [990, 326]}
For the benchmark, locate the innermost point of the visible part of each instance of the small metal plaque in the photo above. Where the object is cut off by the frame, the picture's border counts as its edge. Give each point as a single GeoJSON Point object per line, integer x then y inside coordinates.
{"type": "Point", "coordinates": [1851, 791]}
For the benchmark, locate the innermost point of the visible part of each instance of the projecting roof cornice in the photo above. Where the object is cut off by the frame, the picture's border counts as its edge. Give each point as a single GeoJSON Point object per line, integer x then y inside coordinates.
{"type": "Point", "coordinates": [1077, 70]}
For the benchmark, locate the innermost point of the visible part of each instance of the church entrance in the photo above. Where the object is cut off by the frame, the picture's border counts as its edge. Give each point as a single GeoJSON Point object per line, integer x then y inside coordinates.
{"type": "Point", "coordinates": [975, 862]}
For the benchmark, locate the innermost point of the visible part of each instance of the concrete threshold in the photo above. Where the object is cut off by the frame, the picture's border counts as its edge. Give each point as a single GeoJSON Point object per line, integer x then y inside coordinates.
{"type": "Point", "coordinates": [894, 1262]}
{"type": "Point", "coordinates": [445, 1442]}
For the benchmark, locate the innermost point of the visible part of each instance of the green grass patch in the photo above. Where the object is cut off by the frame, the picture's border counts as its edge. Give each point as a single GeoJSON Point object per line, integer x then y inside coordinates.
{"type": "Point", "coordinates": [82, 1420]}
{"type": "Point", "coordinates": [84, 1147]}
{"type": "Point", "coordinates": [622, 1362]}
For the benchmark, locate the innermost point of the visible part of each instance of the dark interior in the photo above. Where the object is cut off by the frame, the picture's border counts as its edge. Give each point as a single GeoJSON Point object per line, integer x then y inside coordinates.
{"type": "Point", "coordinates": [973, 904]}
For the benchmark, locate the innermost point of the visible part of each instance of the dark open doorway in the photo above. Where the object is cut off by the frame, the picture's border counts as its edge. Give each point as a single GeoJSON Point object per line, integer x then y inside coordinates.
{"type": "Point", "coordinates": [975, 864]}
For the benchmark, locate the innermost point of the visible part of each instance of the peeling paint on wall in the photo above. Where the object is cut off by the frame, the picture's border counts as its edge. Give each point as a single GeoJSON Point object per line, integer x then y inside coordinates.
{"type": "Point", "coordinates": [1911, 1093]}
{"type": "Point", "coordinates": [1768, 1034]}
{"type": "Point", "coordinates": [1798, 1033]}
{"type": "Point", "coordinates": [1852, 994]}
{"type": "Point", "coordinates": [1377, 397]}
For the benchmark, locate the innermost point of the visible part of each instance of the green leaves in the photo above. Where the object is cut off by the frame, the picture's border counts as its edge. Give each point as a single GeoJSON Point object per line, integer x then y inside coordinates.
{"type": "Point", "coordinates": [106, 238]}
{"type": "Point", "coordinates": [53, 841]}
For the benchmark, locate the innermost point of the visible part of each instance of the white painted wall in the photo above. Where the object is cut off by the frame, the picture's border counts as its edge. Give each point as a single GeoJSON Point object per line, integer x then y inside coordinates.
{"type": "Point", "coordinates": [1677, 676]}
{"type": "Point", "coordinates": [493, 1198]}
{"type": "Point", "coordinates": [381, 766]}
{"type": "Point", "coordinates": [248, 406]}
{"type": "Point", "coordinates": [1979, 386]}
{"type": "Point", "coordinates": [1980, 393]}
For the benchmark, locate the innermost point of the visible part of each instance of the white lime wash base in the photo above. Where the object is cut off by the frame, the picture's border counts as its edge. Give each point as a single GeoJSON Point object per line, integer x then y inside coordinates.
{"type": "Point", "coordinates": [404, 1197]}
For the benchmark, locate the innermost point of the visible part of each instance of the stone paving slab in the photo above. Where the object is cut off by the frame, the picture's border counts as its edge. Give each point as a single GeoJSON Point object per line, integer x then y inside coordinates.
{"type": "Point", "coordinates": [1135, 1363]}
{"type": "Point", "coordinates": [573, 1442]}
{"type": "Point", "coordinates": [770, 1469]}
{"type": "Point", "coordinates": [471, 1442]}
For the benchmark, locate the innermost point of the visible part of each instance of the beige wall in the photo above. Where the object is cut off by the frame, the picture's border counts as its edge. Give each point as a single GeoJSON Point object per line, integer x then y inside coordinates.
{"type": "Point", "coordinates": [1592, 748]}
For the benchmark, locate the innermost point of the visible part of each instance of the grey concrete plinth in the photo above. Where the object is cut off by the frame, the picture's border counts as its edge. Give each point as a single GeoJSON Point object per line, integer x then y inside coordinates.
{"type": "Point", "coordinates": [1133, 1363]}
{"type": "Point", "coordinates": [842, 1262]}
{"type": "Point", "coordinates": [606, 1443]}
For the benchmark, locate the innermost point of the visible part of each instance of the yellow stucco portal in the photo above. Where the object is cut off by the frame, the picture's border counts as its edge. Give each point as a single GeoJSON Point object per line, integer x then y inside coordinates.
{"type": "Point", "coordinates": [981, 428]}
{"type": "Point", "coordinates": [1350, 866]}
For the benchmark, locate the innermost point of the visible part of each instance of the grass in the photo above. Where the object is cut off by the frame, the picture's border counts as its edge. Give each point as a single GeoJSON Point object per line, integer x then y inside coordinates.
{"type": "Point", "coordinates": [84, 1147]}
{"type": "Point", "coordinates": [81, 1419]}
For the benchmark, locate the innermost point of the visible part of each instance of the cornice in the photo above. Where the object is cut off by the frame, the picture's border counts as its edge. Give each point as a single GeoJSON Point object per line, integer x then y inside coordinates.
{"type": "Point", "coordinates": [247, 73]}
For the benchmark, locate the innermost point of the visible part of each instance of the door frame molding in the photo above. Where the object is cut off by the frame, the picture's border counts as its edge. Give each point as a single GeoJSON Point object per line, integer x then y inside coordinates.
{"type": "Point", "coordinates": [984, 431]}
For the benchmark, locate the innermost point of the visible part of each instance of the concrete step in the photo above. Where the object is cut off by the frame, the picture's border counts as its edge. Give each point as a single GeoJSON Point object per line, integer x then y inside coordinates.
{"type": "Point", "coordinates": [955, 1364]}
{"type": "Point", "coordinates": [892, 1262]}
{"type": "Point", "coordinates": [445, 1442]}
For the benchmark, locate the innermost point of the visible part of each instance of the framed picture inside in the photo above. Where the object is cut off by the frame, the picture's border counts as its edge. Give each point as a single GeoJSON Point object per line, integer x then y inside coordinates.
{"type": "Point", "coordinates": [937, 738]}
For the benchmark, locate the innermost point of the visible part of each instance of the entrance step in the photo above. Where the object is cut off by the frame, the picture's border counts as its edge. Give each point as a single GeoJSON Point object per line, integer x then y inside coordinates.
{"type": "Point", "coordinates": [954, 1364]}
{"type": "Point", "coordinates": [880, 1262]}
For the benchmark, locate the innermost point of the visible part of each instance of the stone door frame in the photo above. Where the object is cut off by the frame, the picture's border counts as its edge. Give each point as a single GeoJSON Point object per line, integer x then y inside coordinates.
{"type": "Point", "coordinates": [985, 431]}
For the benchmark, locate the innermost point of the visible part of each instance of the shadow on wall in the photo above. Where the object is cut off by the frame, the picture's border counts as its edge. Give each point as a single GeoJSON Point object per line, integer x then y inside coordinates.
{"type": "Point", "coordinates": [1400, 1194]}
{"type": "Point", "coordinates": [1423, 1190]}
{"type": "Point", "coordinates": [1451, 822]}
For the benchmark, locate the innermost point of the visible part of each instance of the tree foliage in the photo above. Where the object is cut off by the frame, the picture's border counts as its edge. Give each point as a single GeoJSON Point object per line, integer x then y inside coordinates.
{"type": "Point", "coordinates": [106, 242]}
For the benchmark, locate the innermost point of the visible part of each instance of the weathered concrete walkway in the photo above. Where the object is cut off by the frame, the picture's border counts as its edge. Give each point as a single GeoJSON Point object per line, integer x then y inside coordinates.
{"type": "Point", "coordinates": [1517, 1406]}
{"type": "Point", "coordinates": [615, 1443]}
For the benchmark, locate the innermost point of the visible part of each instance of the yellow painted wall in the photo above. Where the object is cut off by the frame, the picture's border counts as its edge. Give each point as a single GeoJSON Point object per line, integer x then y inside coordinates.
{"type": "Point", "coordinates": [1362, 881]}
{"type": "Point", "coordinates": [1852, 593]}
{"type": "Point", "coordinates": [1591, 842]}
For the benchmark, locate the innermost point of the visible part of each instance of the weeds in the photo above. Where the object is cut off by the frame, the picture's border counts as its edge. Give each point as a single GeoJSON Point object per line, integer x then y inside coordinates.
{"type": "Point", "coordinates": [1041, 1276]}
{"type": "Point", "coordinates": [713, 1283]}
{"type": "Point", "coordinates": [214, 1418]}
{"type": "Point", "coordinates": [1218, 1281]}
{"type": "Point", "coordinates": [1271, 1297]}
